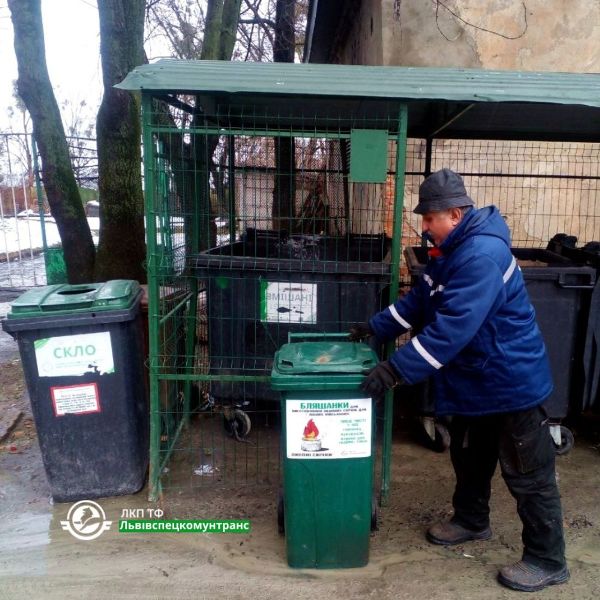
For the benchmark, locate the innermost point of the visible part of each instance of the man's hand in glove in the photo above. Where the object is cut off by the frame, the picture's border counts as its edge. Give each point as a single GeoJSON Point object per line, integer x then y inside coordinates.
{"type": "Point", "coordinates": [359, 332]}
{"type": "Point", "coordinates": [380, 379]}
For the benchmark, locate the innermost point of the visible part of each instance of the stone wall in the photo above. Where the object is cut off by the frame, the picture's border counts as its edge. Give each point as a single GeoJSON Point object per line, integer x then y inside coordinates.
{"type": "Point", "coordinates": [364, 42]}
{"type": "Point", "coordinates": [533, 35]}
{"type": "Point", "coordinates": [529, 35]}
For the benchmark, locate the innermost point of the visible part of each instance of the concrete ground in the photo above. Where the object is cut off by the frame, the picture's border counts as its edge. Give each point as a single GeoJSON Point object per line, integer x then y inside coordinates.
{"type": "Point", "coordinates": [38, 559]}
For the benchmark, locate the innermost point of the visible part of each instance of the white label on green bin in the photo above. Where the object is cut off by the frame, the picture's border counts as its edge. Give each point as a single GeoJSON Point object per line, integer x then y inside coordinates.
{"type": "Point", "coordinates": [75, 399]}
{"type": "Point", "coordinates": [328, 429]}
{"type": "Point", "coordinates": [73, 355]}
{"type": "Point", "coordinates": [286, 302]}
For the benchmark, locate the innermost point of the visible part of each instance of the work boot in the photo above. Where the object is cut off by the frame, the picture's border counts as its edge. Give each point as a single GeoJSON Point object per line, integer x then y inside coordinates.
{"type": "Point", "coordinates": [526, 577]}
{"type": "Point", "coordinates": [450, 533]}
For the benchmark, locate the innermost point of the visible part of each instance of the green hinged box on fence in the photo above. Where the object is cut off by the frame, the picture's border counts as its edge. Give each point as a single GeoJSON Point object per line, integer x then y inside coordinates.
{"type": "Point", "coordinates": [328, 450]}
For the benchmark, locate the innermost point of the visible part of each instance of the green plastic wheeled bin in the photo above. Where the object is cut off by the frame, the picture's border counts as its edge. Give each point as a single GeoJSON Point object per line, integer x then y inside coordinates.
{"type": "Point", "coordinates": [328, 451]}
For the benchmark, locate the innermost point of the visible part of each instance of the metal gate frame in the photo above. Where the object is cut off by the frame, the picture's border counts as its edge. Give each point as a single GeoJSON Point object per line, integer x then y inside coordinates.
{"type": "Point", "coordinates": [155, 271]}
{"type": "Point", "coordinates": [450, 103]}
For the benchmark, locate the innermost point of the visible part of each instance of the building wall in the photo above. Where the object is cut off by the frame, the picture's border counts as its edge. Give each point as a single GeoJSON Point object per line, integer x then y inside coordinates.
{"type": "Point", "coordinates": [363, 44]}
{"type": "Point", "coordinates": [254, 200]}
{"type": "Point", "coordinates": [550, 35]}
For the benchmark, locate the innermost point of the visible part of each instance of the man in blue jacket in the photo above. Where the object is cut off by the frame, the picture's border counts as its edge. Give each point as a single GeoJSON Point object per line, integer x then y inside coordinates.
{"type": "Point", "coordinates": [477, 338]}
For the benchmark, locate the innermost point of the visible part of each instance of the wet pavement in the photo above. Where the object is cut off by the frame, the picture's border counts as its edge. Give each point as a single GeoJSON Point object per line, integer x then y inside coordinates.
{"type": "Point", "coordinates": [15, 278]}
{"type": "Point", "coordinates": [8, 346]}
{"type": "Point", "coordinates": [40, 560]}
{"type": "Point", "coordinates": [22, 273]}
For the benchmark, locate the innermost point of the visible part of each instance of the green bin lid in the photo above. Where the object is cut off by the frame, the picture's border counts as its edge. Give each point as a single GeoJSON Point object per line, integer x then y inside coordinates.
{"type": "Point", "coordinates": [299, 364]}
{"type": "Point", "coordinates": [66, 299]}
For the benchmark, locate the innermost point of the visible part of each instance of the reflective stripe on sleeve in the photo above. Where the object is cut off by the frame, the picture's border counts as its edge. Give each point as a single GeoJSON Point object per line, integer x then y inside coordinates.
{"type": "Point", "coordinates": [428, 279]}
{"type": "Point", "coordinates": [398, 318]}
{"type": "Point", "coordinates": [425, 355]}
{"type": "Point", "coordinates": [510, 270]}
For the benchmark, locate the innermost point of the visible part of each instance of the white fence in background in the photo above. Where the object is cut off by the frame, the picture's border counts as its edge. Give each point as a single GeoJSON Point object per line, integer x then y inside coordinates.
{"type": "Point", "coordinates": [21, 261]}
{"type": "Point", "coordinates": [21, 225]}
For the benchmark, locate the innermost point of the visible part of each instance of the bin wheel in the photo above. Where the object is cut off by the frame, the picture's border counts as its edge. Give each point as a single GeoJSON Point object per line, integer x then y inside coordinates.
{"type": "Point", "coordinates": [374, 514]}
{"type": "Point", "coordinates": [566, 441]}
{"type": "Point", "coordinates": [442, 438]}
{"type": "Point", "coordinates": [237, 424]}
{"type": "Point", "coordinates": [280, 515]}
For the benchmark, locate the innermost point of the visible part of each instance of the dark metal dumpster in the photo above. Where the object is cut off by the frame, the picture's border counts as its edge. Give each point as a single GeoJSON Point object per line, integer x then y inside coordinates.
{"type": "Point", "coordinates": [81, 350]}
{"type": "Point", "coordinates": [560, 292]}
{"type": "Point", "coordinates": [588, 254]}
{"type": "Point", "coordinates": [270, 284]}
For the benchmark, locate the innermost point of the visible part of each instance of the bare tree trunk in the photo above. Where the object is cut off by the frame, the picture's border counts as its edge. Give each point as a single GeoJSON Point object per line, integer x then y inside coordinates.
{"type": "Point", "coordinates": [212, 31]}
{"type": "Point", "coordinates": [121, 252]}
{"type": "Point", "coordinates": [284, 191]}
{"type": "Point", "coordinates": [222, 18]}
{"type": "Point", "coordinates": [219, 35]}
{"type": "Point", "coordinates": [229, 26]}
{"type": "Point", "coordinates": [219, 38]}
{"type": "Point", "coordinates": [57, 173]}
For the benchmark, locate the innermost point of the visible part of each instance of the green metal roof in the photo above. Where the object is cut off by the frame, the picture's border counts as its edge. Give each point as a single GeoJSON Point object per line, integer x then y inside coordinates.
{"type": "Point", "coordinates": [461, 102]}
{"type": "Point", "coordinates": [365, 82]}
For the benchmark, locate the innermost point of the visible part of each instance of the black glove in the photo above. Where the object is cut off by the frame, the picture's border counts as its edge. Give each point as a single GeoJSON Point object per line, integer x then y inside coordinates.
{"type": "Point", "coordinates": [359, 332]}
{"type": "Point", "coordinates": [380, 379]}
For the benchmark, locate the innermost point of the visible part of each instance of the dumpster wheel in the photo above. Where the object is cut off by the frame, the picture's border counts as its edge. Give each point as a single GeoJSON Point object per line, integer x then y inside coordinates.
{"type": "Point", "coordinates": [566, 441]}
{"type": "Point", "coordinates": [374, 513]}
{"type": "Point", "coordinates": [280, 514]}
{"type": "Point", "coordinates": [442, 438]}
{"type": "Point", "coordinates": [237, 423]}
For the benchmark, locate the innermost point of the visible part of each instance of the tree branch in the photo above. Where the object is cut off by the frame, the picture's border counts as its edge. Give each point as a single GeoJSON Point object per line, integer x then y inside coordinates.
{"type": "Point", "coordinates": [258, 21]}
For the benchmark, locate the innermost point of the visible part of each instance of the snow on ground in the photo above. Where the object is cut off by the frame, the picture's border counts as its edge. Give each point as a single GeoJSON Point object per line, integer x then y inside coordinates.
{"type": "Point", "coordinates": [21, 243]}
{"type": "Point", "coordinates": [4, 308]}
{"type": "Point", "coordinates": [25, 234]}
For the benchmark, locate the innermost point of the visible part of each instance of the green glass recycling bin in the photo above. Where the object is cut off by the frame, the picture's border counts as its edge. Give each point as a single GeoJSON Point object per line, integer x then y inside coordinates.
{"type": "Point", "coordinates": [81, 349]}
{"type": "Point", "coordinates": [328, 450]}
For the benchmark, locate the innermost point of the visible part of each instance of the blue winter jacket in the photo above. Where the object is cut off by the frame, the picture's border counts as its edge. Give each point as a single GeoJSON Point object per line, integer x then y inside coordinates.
{"type": "Point", "coordinates": [476, 329]}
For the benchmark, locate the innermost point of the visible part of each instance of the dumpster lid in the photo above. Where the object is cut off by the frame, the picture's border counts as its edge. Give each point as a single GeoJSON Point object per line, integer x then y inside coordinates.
{"type": "Point", "coordinates": [324, 357]}
{"type": "Point", "coordinates": [69, 299]}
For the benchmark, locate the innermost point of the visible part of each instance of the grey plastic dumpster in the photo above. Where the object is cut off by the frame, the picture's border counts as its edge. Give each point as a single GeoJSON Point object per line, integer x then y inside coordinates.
{"type": "Point", "coordinates": [82, 353]}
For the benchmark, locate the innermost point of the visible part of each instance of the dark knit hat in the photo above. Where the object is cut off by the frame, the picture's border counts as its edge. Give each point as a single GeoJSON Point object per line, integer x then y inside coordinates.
{"type": "Point", "coordinates": [442, 190]}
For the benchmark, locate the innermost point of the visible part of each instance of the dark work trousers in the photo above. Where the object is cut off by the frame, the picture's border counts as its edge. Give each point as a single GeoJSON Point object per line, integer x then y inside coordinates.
{"type": "Point", "coordinates": [522, 442]}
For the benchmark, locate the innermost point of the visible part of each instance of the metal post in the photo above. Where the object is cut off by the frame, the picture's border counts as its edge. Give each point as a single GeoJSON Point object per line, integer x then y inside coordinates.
{"type": "Point", "coordinates": [386, 458]}
{"type": "Point", "coordinates": [5, 239]}
{"type": "Point", "coordinates": [14, 202]}
{"type": "Point", "coordinates": [427, 171]}
{"type": "Point", "coordinates": [428, 153]}
{"type": "Point", "coordinates": [40, 197]}
{"type": "Point", "coordinates": [200, 201]}
{"type": "Point", "coordinates": [154, 485]}
{"type": "Point", "coordinates": [25, 194]}
{"type": "Point", "coordinates": [231, 177]}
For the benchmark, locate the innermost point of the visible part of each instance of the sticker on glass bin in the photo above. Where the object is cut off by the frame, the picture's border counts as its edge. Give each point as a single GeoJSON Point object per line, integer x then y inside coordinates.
{"type": "Point", "coordinates": [285, 302]}
{"type": "Point", "coordinates": [328, 429]}
{"type": "Point", "coordinates": [72, 355]}
{"type": "Point", "coordinates": [75, 399]}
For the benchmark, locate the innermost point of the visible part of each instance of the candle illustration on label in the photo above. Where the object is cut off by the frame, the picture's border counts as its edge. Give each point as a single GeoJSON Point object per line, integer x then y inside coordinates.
{"type": "Point", "coordinates": [311, 442]}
